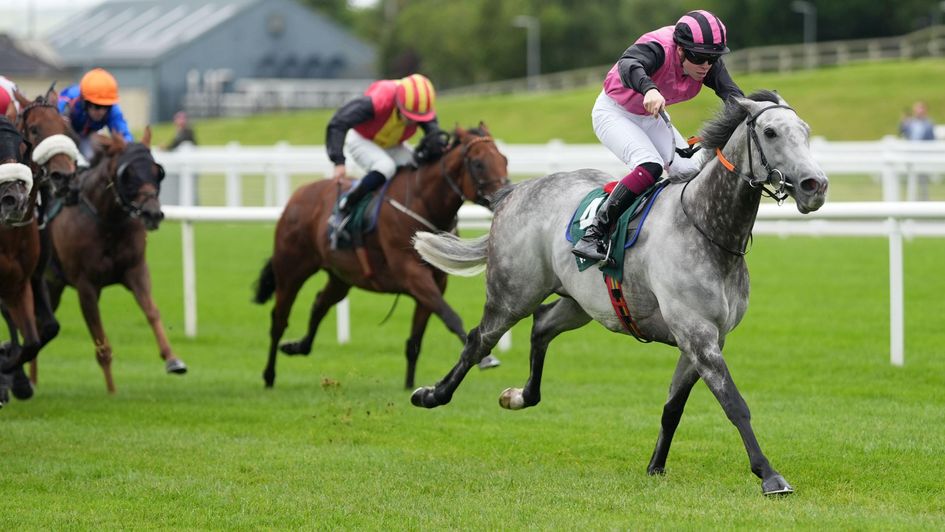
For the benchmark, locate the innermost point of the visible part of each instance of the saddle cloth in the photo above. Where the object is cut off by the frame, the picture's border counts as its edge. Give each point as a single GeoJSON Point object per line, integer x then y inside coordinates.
{"type": "Point", "coordinates": [625, 233]}
{"type": "Point", "coordinates": [362, 221]}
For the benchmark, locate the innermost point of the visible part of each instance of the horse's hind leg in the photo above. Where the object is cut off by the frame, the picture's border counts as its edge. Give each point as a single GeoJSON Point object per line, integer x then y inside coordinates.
{"type": "Point", "coordinates": [496, 320]}
{"type": "Point", "coordinates": [421, 316]}
{"type": "Point", "coordinates": [701, 343]}
{"type": "Point", "coordinates": [684, 379]}
{"type": "Point", "coordinates": [550, 320]}
{"type": "Point", "coordinates": [334, 291]}
{"type": "Point", "coordinates": [289, 278]}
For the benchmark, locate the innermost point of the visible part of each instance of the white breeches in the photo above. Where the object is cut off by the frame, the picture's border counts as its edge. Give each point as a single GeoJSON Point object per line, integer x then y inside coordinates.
{"type": "Point", "coordinates": [370, 157]}
{"type": "Point", "coordinates": [637, 139]}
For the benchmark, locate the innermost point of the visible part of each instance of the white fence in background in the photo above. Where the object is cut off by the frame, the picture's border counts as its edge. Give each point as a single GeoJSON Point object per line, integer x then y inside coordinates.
{"type": "Point", "coordinates": [890, 160]}
{"type": "Point", "coordinates": [890, 219]}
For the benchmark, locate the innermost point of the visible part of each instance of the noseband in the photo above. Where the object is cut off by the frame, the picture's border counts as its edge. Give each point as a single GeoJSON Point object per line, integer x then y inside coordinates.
{"type": "Point", "coordinates": [779, 194]}
{"type": "Point", "coordinates": [467, 164]}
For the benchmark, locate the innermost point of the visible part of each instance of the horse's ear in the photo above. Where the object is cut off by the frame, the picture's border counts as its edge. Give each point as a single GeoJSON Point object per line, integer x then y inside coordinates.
{"type": "Point", "coordinates": [484, 128]}
{"type": "Point", "coordinates": [10, 111]}
{"type": "Point", "coordinates": [460, 132]}
{"type": "Point", "coordinates": [751, 106]}
{"type": "Point", "coordinates": [146, 139]}
{"type": "Point", "coordinates": [51, 97]}
{"type": "Point", "coordinates": [24, 101]}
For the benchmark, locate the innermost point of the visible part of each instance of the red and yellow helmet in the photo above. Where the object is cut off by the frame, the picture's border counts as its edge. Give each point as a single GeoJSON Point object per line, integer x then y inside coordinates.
{"type": "Point", "coordinates": [415, 98]}
{"type": "Point", "coordinates": [99, 87]}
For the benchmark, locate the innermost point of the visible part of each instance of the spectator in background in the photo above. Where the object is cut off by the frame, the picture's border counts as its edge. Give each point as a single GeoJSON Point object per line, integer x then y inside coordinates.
{"type": "Point", "coordinates": [918, 126]}
{"type": "Point", "coordinates": [184, 132]}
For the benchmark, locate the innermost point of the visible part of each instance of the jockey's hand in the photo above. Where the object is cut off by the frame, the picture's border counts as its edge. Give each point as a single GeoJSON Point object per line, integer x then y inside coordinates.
{"type": "Point", "coordinates": [339, 172]}
{"type": "Point", "coordinates": [653, 101]}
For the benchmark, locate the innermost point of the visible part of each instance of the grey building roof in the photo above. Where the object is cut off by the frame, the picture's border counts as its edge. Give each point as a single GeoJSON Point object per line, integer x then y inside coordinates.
{"type": "Point", "coordinates": [138, 32]}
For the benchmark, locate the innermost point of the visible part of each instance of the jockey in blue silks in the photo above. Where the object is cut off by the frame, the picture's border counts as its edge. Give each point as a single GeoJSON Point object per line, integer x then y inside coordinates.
{"type": "Point", "coordinates": [93, 105]}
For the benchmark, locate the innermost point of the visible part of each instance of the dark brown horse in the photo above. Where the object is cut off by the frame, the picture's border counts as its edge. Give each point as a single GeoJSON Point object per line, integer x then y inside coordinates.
{"type": "Point", "coordinates": [19, 251]}
{"type": "Point", "coordinates": [428, 197]}
{"type": "Point", "coordinates": [101, 240]}
{"type": "Point", "coordinates": [52, 152]}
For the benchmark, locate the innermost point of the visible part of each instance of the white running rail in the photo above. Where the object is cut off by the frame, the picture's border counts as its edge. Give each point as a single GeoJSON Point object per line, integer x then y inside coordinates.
{"type": "Point", "coordinates": [893, 220]}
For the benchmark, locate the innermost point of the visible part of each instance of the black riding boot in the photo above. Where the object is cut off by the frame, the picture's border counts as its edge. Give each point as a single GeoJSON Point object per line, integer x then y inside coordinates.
{"type": "Point", "coordinates": [369, 183]}
{"type": "Point", "coordinates": [593, 245]}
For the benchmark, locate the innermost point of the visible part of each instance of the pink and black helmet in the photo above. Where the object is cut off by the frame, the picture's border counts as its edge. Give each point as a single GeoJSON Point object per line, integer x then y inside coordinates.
{"type": "Point", "coordinates": [701, 32]}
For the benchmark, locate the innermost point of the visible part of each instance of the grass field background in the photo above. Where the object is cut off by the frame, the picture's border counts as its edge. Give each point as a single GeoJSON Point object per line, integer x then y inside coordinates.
{"type": "Point", "coordinates": [336, 444]}
{"type": "Point", "coordinates": [855, 102]}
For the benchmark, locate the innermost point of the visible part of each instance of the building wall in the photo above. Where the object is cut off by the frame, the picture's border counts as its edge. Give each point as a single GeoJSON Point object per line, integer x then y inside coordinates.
{"type": "Point", "coordinates": [277, 38]}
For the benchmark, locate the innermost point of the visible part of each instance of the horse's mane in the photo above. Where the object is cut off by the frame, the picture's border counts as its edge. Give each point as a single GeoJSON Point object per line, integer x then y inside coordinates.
{"type": "Point", "coordinates": [717, 131]}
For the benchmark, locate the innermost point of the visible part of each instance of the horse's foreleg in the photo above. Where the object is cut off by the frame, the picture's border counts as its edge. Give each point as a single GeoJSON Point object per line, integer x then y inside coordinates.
{"type": "Point", "coordinates": [684, 378]}
{"type": "Point", "coordinates": [549, 321]}
{"type": "Point", "coordinates": [138, 280]}
{"type": "Point", "coordinates": [707, 357]}
{"type": "Point", "coordinates": [334, 291]}
{"type": "Point", "coordinates": [46, 320]}
{"type": "Point", "coordinates": [88, 302]}
{"type": "Point", "coordinates": [21, 319]}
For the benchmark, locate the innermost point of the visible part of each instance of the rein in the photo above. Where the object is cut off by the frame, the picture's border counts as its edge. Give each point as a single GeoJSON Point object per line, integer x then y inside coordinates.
{"type": "Point", "coordinates": [779, 194]}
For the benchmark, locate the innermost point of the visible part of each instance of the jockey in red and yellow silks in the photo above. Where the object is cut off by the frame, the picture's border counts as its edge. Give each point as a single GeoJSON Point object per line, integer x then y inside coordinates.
{"type": "Point", "coordinates": [373, 128]}
{"type": "Point", "coordinates": [663, 67]}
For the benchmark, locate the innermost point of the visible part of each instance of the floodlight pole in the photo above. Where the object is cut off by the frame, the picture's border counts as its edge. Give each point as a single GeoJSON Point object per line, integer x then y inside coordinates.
{"type": "Point", "coordinates": [533, 49]}
{"type": "Point", "coordinates": [809, 10]}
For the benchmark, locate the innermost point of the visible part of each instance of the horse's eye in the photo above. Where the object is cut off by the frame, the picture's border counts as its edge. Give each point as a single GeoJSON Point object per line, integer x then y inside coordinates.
{"type": "Point", "coordinates": [34, 131]}
{"type": "Point", "coordinates": [770, 133]}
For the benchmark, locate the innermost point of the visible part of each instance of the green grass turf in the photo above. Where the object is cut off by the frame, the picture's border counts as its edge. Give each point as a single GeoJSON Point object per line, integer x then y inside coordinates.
{"type": "Point", "coordinates": [336, 444]}
{"type": "Point", "coordinates": [855, 102]}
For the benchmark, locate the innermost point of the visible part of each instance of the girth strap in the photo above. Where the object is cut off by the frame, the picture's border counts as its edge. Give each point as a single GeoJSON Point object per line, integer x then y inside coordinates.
{"type": "Point", "coordinates": [615, 291]}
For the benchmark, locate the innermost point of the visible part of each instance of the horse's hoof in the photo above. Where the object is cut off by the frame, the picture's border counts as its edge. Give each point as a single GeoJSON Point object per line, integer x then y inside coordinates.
{"type": "Point", "coordinates": [489, 361]}
{"type": "Point", "coordinates": [295, 348]}
{"type": "Point", "coordinates": [424, 397]}
{"type": "Point", "coordinates": [511, 399]}
{"type": "Point", "coordinates": [176, 365]}
{"type": "Point", "coordinates": [655, 471]}
{"type": "Point", "coordinates": [22, 388]}
{"type": "Point", "coordinates": [776, 486]}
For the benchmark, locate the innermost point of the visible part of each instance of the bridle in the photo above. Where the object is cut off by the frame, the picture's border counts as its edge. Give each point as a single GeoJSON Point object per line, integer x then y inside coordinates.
{"type": "Point", "coordinates": [779, 194]}
{"type": "Point", "coordinates": [49, 147]}
{"type": "Point", "coordinates": [133, 208]}
{"type": "Point", "coordinates": [479, 181]}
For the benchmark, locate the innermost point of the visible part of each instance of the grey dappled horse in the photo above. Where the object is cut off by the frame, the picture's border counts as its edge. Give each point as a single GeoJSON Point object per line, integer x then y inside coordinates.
{"type": "Point", "coordinates": [685, 281]}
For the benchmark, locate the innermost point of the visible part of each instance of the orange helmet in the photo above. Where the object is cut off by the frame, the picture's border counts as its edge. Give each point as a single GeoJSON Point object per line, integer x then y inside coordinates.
{"type": "Point", "coordinates": [415, 98]}
{"type": "Point", "coordinates": [99, 87]}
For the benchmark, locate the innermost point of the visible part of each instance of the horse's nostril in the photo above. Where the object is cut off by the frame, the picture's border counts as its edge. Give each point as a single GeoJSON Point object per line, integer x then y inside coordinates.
{"type": "Point", "coordinates": [811, 185]}
{"type": "Point", "coordinates": [8, 200]}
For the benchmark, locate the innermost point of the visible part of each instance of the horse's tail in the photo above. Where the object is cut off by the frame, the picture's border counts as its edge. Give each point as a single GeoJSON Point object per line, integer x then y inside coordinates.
{"type": "Point", "coordinates": [452, 254]}
{"type": "Point", "coordinates": [265, 286]}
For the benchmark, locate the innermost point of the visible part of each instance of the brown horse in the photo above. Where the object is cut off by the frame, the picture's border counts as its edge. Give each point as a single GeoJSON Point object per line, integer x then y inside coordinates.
{"type": "Point", "coordinates": [426, 198]}
{"type": "Point", "coordinates": [19, 251]}
{"type": "Point", "coordinates": [101, 240]}
{"type": "Point", "coordinates": [52, 152]}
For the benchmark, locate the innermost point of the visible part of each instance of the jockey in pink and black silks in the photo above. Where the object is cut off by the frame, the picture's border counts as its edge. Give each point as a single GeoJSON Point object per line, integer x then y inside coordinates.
{"type": "Point", "coordinates": [663, 67]}
{"type": "Point", "coordinates": [373, 129]}
{"type": "Point", "coordinates": [91, 106]}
